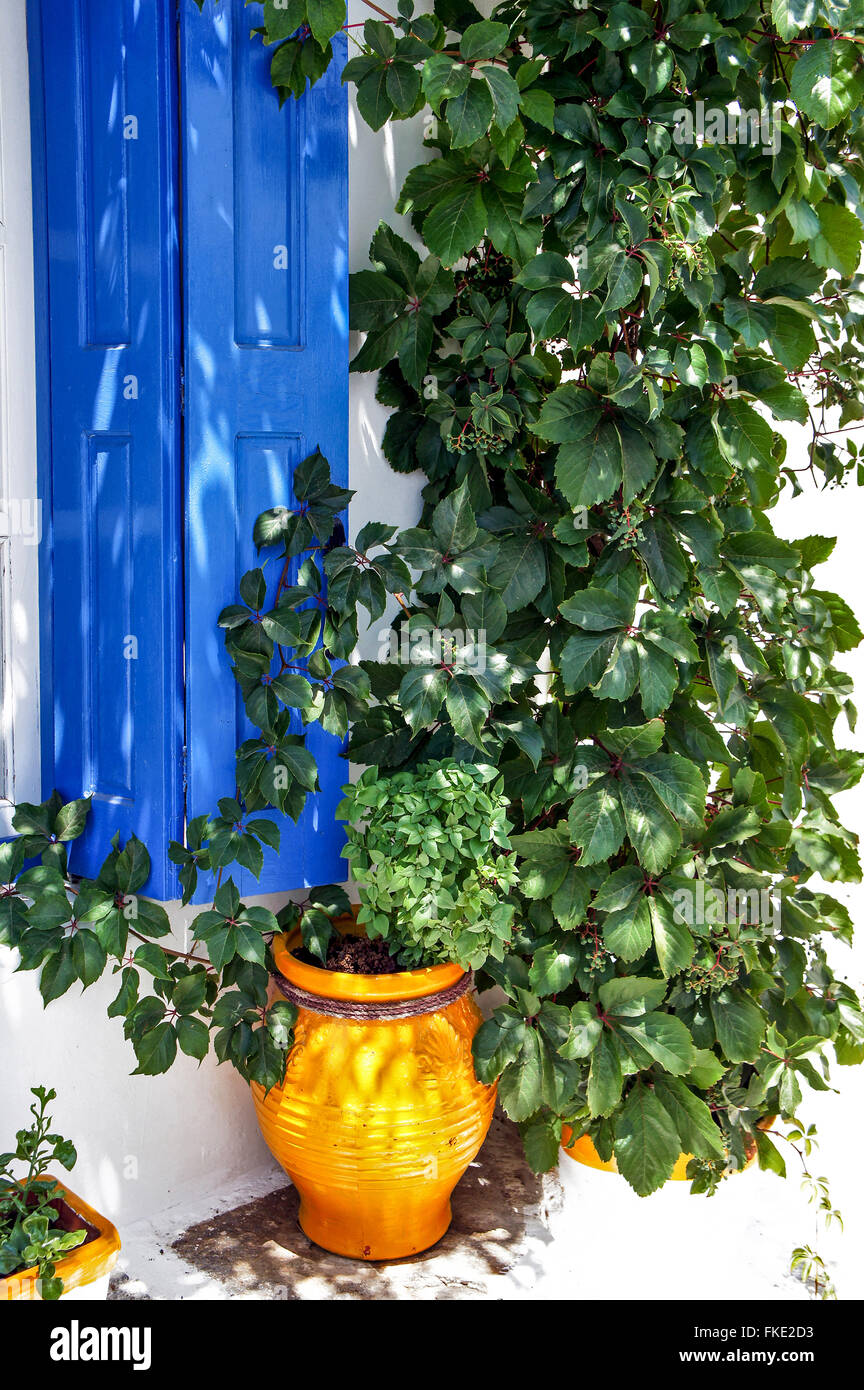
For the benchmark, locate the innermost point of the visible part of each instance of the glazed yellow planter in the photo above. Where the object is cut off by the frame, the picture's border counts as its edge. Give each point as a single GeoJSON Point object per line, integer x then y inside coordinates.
{"type": "Point", "coordinates": [84, 1270]}
{"type": "Point", "coordinates": [380, 1112]}
{"type": "Point", "coordinates": [584, 1152]}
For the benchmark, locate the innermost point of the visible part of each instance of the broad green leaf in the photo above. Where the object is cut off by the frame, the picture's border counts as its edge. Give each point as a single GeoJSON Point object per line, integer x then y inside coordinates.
{"type": "Point", "coordinates": [691, 1117]}
{"type": "Point", "coordinates": [88, 956]}
{"type": "Point", "coordinates": [635, 741]}
{"type": "Point", "coordinates": [596, 821]}
{"type": "Point", "coordinates": [754, 321]}
{"type": "Point", "coordinates": [421, 695]}
{"type": "Point", "coordinates": [584, 1032]}
{"type": "Point", "coordinates": [646, 1143]}
{"type": "Point", "coordinates": [653, 831]}
{"type": "Point", "coordinates": [658, 680]}
{"type": "Point", "coordinates": [628, 996]}
{"type": "Point", "coordinates": [468, 709]}
{"type": "Point", "coordinates": [584, 657]}
{"type": "Point", "coordinates": [624, 282]}
{"type": "Point", "coordinates": [519, 572]}
{"type": "Point", "coordinates": [455, 224]}
{"type": "Point", "coordinates": [604, 1078]}
{"type": "Point", "coordinates": [325, 18]}
{"type": "Point", "coordinates": [553, 968]}
{"type": "Point", "coordinates": [707, 1069]}
{"type": "Point", "coordinates": [507, 228]}
{"type": "Point", "coordinates": [627, 932]}
{"type": "Point", "coordinates": [193, 1036]}
{"type": "Point", "coordinates": [745, 437]}
{"type": "Point", "coordinates": [470, 114]}
{"type": "Point", "coordinates": [739, 1023]}
{"type": "Point", "coordinates": [639, 462]}
{"type": "Point", "coordinates": [791, 16]}
{"type": "Point", "coordinates": [483, 40]}
{"type": "Point", "coordinates": [541, 1139]}
{"type": "Point", "coordinates": [497, 1043]}
{"type": "Point", "coordinates": [666, 562]}
{"type": "Point", "coordinates": [672, 941]}
{"type": "Point", "coordinates": [569, 414]}
{"type": "Point", "coordinates": [283, 18]}
{"type": "Point", "coordinates": [826, 80]}
{"type": "Point", "coordinates": [58, 973]}
{"type": "Point", "coordinates": [589, 471]}
{"type": "Point", "coordinates": [373, 97]}
{"type": "Point", "coordinates": [546, 271]}
{"type": "Point", "coordinates": [625, 26]}
{"type": "Point", "coordinates": [505, 95]}
{"type": "Point", "coordinates": [403, 86]}
{"type": "Point", "coordinates": [597, 610]}
{"type": "Point", "coordinates": [538, 106]}
{"type": "Point", "coordinates": [769, 1156]}
{"type": "Point", "coordinates": [619, 889]}
{"type": "Point", "coordinates": [679, 784]}
{"type": "Point", "coordinates": [520, 1088]}
{"type": "Point", "coordinates": [666, 1038]}
{"type": "Point", "coordinates": [838, 243]}
{"type": "Point", "coordinates": [156, 1050]}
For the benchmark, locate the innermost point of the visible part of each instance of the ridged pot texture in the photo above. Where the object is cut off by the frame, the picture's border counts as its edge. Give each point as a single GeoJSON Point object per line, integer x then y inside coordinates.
{"type": "Point", "coordinates": [377, 1119]}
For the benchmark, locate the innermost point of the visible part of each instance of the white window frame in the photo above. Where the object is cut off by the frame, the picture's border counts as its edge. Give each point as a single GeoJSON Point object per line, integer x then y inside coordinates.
{"type": "Point", "coordinates": [20, 508]}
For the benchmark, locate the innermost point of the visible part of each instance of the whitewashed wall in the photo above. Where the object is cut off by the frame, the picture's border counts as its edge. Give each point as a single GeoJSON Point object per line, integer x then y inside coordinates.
{"type": "Point", "coordinates": [146, 1143]}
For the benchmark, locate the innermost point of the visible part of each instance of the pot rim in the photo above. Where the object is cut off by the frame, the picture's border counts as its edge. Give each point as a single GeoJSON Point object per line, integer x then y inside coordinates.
{"type": "Point", "coordinates": [86, 1263]}
{"type": "Point", "coordinates": [338, 984]}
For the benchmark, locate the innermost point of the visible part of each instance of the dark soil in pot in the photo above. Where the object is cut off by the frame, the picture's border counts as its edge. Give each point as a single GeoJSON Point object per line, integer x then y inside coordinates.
{"type": "Point", "coordinates": [354, 955]}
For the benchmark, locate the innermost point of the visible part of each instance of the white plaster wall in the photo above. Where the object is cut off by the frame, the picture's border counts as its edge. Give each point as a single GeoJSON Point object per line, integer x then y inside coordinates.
{"type": "Point", "coordinates": [378, 164]}
{"type": "Point", "coordinates": [147, 1143]}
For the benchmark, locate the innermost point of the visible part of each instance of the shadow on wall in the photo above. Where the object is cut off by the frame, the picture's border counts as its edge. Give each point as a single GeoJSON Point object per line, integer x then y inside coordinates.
{"type": "Point", "coordinates": [378, 164]}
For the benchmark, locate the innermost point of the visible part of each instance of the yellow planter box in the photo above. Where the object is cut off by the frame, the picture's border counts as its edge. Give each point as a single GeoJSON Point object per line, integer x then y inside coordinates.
{"type": "Point", "coordinates": [84, 1270]}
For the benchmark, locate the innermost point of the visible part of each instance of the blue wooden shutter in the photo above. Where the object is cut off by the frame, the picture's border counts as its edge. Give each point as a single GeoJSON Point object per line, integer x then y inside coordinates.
{"type": "Point", "coordinates": [110, 123]}
{"type": "Point", "coordinates": [265, 290]}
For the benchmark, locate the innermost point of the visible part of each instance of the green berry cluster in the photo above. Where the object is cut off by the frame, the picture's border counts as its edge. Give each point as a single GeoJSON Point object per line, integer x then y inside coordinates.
{"type": "Point", "coordinates": [710, 972]}
{"type": "Point", "coordinates": [477, 439]}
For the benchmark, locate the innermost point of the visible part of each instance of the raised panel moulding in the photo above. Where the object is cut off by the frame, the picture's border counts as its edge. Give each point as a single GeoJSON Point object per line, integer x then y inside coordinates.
{"type": "Point", "coordinates": [107, 604]}
{"type": "Point", "coordinates": [269, 202]}
{"type": "Point", "coordinates": [103, 214]}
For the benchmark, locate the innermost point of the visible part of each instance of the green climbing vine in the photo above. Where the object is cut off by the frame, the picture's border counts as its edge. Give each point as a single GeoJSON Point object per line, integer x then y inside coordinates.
{"type": "Point", "coordinates": [633, 264]}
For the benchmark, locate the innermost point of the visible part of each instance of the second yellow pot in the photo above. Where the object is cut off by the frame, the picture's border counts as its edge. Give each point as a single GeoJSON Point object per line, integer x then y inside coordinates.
{"type": "Point", "coordinates": [378, 1116]}
{"type": "Point", "coordinates": [584, 1152]}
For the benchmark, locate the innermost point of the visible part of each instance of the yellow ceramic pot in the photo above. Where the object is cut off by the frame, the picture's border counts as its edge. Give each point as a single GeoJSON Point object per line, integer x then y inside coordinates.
{"type": "Point", "coordinates": [85, 1269]}
{"type": "Point", "coordinates": [379, 1114]}
{"type": "Point", "coordinates": [584, 1152]}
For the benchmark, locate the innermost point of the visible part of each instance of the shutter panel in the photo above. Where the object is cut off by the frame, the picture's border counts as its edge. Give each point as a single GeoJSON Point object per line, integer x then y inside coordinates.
{"type": "Point", "coordinates": [110, 132]}
{"type": "Point", "coordinates": [265, 281]}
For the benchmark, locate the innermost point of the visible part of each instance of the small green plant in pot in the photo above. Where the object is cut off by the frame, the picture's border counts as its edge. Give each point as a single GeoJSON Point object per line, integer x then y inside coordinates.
{"type": "Point", "coordinates": [430, 855]}
{"type": "Point", "coordinates": [50, 1241]}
